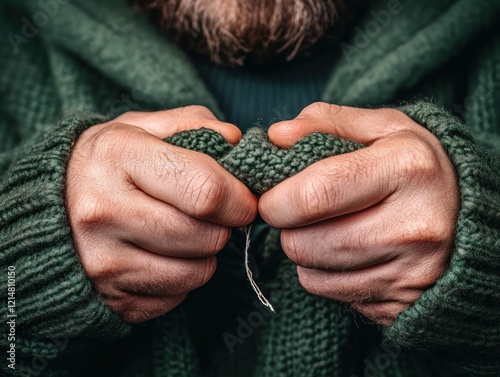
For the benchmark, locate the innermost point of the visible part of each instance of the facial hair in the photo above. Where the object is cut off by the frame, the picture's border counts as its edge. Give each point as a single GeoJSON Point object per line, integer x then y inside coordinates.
{"type": "Point", "coordinates": [231, 32]}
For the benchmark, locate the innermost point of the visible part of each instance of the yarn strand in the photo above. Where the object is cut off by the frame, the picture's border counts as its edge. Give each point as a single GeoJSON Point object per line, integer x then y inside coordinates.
{"type": "Point", "coordinates": [264, 301]}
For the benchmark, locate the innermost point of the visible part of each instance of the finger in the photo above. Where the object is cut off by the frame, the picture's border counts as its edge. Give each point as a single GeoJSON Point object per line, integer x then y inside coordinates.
{"type": "Point", "coordinates": [346, 243]}
{"type": "Point", "coordinates": [192, 182]}
{"type": "Point", "coordinates": [125, 268]}
{"type": "Point", "coordinates": [166, 123]}
{"type": "Point", "coordinates": [136, 308]}
{"type": "Point", "coordinates": [169, 276]}
{"type": "Point", "coordinates": [163, 229]}
{"type": "Point", "coordinates": [332, 187]}
{"type": "Point", "coordinates": [364, 126]}
{"type": "Point", "coordinates": [373, 284]}
{"type": "Point", "coordinates": [383, 313]}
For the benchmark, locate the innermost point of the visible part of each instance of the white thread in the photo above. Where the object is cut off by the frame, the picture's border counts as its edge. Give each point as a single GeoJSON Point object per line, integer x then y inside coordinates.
{"type": "Point", "coordinates": [254, 285]}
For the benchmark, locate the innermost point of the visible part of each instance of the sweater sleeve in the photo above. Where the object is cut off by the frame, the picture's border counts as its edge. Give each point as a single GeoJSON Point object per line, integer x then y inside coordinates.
{"type": "Point", "coordinates": [46, 295]}
{"type": "Point", "coordinates": [459, 315]}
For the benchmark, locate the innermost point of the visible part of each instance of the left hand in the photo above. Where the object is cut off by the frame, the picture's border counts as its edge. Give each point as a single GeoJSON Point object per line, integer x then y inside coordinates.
{"type": "Point", "coordinates": [373, 228]}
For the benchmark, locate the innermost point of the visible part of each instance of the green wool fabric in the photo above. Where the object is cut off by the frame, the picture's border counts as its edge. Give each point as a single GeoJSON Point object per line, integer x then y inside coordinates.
{"type": "Point", "coordinates": [86, 62]}
{"type": "Point", "coordinates": [256, 161]}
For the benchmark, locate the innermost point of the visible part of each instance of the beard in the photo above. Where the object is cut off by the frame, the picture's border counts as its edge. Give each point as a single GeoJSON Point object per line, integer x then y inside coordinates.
{"type": "Point", "coordinates": [231, 32]}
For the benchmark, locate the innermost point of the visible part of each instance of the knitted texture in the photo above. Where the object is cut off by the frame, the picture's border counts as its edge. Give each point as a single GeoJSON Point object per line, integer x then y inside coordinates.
{"type": "Point", "coordinates": [99, 57]}
{"type": "Point", "coordinates": [35, 238]}
{"type": "Point", "coordinates": [261, 165]}
{"type": "Point", "coordinates": [432, 32]}
{"type": "Point", "coordinates": [258, 163]}
{"type": "Point", "coordinates": [474, 262]}
{"type": "Point", "coordinates": [282, 91]}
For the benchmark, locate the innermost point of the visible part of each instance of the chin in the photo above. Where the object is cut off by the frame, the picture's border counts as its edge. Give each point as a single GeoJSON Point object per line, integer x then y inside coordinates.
{"type": "Point", "coordinates": [234, 32]}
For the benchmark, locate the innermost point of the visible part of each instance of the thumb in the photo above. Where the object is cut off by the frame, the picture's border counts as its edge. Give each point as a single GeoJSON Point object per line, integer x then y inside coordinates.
{"type": "Point", "coordinates": [363, 126]}
{"type": "Point", "coordinates": [166, 123]}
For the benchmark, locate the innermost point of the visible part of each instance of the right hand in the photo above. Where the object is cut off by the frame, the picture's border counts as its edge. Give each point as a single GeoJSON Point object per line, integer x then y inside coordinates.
{"type": "Point", "coordinates": [148, 217]}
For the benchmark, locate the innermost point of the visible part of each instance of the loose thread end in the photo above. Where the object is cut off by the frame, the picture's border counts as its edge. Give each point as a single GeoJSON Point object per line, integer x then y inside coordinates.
{"type": "Point", "coordinates": [263, 300]}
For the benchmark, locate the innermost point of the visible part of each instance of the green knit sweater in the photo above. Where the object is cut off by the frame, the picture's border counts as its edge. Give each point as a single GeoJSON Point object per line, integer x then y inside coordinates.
{"type": "Point", "coordinates": [66, 66]}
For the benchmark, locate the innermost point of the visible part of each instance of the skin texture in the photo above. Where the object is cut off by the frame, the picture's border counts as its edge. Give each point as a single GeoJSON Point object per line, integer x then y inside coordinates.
{"type": "Point", "coordinates": [373, 228]}
{"type": "Point", "coordinates": [148, 218]}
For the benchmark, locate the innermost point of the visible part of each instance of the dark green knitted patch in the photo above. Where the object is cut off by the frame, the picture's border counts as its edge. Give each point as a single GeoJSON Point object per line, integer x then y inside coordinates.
{"type": "Point", "coordinates": [258, 163]}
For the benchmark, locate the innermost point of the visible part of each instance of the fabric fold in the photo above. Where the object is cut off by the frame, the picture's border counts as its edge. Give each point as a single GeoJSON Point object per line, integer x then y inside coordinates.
{"type": "Point", "coordinates": [53, 297]}
{"type": "Point", "coordinates": [459, 314]}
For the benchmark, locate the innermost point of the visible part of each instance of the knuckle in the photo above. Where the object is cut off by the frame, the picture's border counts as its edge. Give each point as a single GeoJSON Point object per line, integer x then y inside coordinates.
{"type": "Point", "coordinates": [429, 278]}
{"type": "Point", "coordinates": [92, 211]}
{"type": "Point", "coordinates": [425, 231]}
{"type": "Point", "coordinates": [331, 110]}
{"type": "Point", "coordinates": [394, 120]}
{"type": "Point", "coordinates": [427, 274]}
{"type": "Point", "coordinates": [417, 160]}
{"type": "Point", "coordinates": [128, 116]}
{"type": "Point", "coordinates": [438, 233]}
{"type": "Point", "coordinates": [218, 238]}
{"type": "Point", "coordinates": [387, 113]}
{"type": "Point", "coordinates": [321, 109]}
{"type": "Point", "coordinates": [198, 110]}
{"type": "Point", "coordinates": [250, 212]}
{"type": "Point", "coordinates": [392, 115]}
{"type": "Point", "coordinates": [315, 107]}
{"type": "Point", "coordinates": [313, 197]}
{"type": "Point", "coordinates": [100, 268]}
{"type": "Point", "coordinates": [310, 283]}
{"type": "Point", "coordinates": [293, 247]}
{"type": "Point", "coordinates": [110, 143]}
{"type": "Point", "coordinates": [204, 273]}
{"type": "Point", "coordinates": [204, 192]}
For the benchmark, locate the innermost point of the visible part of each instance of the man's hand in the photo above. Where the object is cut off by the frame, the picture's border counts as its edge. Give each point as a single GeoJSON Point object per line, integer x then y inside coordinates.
{"type": "Point", "coordinates": [147, 217]}
{"type": "Point", "coordinates": [374, 227]}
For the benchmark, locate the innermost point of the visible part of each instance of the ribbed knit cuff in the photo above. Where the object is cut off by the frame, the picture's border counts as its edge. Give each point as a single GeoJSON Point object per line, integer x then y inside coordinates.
{"type": "Point", "coordinates": [460, 314]}
{"type": "Point", "coordinates": [53, 297]}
